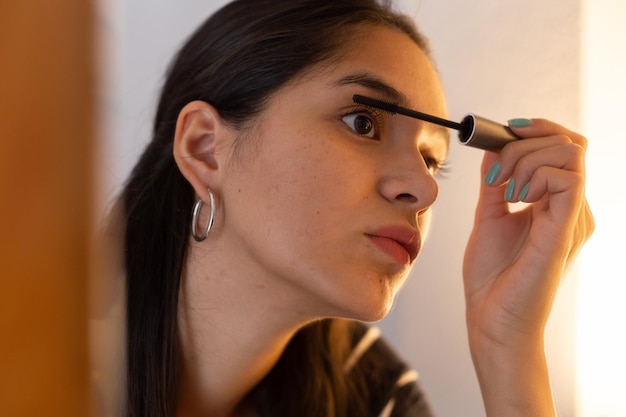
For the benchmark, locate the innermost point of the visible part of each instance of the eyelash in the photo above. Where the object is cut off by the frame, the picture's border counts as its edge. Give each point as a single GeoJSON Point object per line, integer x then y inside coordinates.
{"type": "Point", "coordinates": [437, 167]}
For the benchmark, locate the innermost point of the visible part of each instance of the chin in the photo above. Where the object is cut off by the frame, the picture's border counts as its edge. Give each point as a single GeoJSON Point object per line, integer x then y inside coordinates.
{"type": "Point", "coordinates": [369, 300]}
{"type": "Point", "coordinates": [376, 315]}
{"type": "Point", "coordinates": [371, 310]}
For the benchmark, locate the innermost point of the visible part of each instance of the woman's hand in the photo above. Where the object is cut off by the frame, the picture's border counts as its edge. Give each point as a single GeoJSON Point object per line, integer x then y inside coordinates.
{"type": "Point", "coordinates": [515, 261]}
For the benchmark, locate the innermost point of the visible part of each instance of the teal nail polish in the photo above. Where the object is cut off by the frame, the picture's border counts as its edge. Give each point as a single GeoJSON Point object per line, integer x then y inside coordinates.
{"type": "Point", "coordinates": [510, 188]}
{"type": "Point", "coordinates": [524, 193]}
{"type": "Point", "coordinates": [493, 172]}
{"type": "Point", "coordinates": [520, 122]}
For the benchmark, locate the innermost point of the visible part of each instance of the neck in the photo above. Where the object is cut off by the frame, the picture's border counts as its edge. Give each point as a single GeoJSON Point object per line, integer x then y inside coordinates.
{"type": "Point", "coordinates": [232, 332]}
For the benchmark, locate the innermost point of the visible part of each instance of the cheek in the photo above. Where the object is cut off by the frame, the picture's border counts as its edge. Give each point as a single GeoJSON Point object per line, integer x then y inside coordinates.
{"type": "Point", "coordinates": [308, 195]}
{"type": "Point", "coordinates": [298, 185]}
{"type": "Point", "coordinates": [319, 175]}
{"type": "Point", "coordinates": [278, 190]}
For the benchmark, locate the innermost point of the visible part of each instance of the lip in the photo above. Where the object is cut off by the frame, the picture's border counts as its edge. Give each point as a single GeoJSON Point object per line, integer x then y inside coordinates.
{"type": "Point", "coordinates": [400, 243]}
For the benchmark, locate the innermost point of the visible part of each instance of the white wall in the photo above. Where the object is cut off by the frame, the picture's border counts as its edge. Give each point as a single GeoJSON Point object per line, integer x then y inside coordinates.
{"type": "Point", "coordinates": [601, 336]}
{"type": "Point", "coordinates": [518, 58]}
{"type": "Point", "coordinates": [499, 59]}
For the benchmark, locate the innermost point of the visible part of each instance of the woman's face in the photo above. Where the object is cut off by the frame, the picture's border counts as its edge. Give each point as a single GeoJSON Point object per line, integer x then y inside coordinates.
{"type": "Point", "coordinates": [326, 204]}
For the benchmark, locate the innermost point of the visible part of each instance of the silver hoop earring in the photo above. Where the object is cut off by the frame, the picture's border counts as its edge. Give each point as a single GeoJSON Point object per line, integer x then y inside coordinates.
{"type": "Point", "coordinates": [194, 218]}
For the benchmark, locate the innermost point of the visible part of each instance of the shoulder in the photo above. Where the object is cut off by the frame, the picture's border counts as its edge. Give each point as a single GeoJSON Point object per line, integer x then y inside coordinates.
{"type": "Point", "coordinates": [392, 384]}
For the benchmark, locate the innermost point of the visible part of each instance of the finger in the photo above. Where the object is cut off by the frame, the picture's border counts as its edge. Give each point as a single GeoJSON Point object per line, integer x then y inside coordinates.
{"type": "Point", "coordinates": [565, 189]}
{"type": "Point", "coordinates": [569, 157]}
{"type": "Point", "coordinates": [488, 160]}
{"type": "Point", "coordinates": [556, 198]}
{"type": "Point", "coordinates": [582, 232]}
{"type": "Point", "coordinates": [514, 151]}
{"type": "Point", "coordinates": [543, 128]}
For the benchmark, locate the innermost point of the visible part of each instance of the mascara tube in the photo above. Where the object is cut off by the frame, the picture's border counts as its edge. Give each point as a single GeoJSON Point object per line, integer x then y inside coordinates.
{"type": "Point", "coordinates": [485, 134]}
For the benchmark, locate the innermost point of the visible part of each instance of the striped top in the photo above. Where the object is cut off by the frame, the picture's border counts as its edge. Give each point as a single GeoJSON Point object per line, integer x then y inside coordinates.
{"type": "Point", "coordinates": [402, 396]}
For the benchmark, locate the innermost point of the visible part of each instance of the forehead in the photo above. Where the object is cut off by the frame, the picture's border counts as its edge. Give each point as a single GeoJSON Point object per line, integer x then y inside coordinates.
{"type": "Point", "coordinates": [374, 60]}
{"type": "Point", "coordinates": [392, 57]}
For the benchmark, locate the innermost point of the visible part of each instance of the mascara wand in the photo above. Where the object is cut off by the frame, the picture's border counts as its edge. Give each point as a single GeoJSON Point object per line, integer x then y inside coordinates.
{"type": "Point", "coordinates": [474, 131]}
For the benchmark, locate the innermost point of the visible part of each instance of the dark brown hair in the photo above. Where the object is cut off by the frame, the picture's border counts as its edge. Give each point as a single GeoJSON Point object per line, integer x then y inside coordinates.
{"type": "Point", "coordinates": [235, 61]}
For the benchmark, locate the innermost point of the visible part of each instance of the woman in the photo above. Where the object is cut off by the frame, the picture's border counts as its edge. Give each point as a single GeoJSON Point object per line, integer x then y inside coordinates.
{"type": "Point", "coordinates": [270, 215]}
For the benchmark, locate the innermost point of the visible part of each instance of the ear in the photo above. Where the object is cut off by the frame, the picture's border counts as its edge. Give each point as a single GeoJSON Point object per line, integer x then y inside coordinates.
{"type": "Point", "coordinates": [200, 133]}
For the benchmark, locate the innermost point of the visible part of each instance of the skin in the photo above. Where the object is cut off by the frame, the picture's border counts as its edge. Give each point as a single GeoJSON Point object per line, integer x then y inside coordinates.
{"type": "Point", "coordinates": [300, 205]}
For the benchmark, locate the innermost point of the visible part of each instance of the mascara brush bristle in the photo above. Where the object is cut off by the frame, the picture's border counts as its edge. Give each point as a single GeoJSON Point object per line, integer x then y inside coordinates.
{"type": "Point", "coordinates": [395, 109]}
{"type": "Point", "coordinates": [391, 108]}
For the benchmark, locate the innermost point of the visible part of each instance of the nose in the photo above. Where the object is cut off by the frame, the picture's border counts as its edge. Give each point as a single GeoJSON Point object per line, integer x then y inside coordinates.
{"type": "Point", "coordinates": [407, 183]}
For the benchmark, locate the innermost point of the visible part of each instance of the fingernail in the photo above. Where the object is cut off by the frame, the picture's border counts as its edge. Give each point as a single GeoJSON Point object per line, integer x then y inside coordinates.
{"type": "Point", "coordinates": [520, 122]}
{"type": "Point", "coordinates": [510, 188]}
{"type": "Point", "coordinates": [493, 172]}
{"type": "Point", "coordinates": [524, 193]}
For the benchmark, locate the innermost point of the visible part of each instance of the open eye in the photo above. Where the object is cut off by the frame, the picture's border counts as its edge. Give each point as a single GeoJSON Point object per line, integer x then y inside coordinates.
{"type": "Point", "coordinates": [362, 124]}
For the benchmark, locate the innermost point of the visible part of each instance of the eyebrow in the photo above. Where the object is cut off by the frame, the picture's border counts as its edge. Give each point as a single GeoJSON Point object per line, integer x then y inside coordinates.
{"type": "Point", "coordinates": [374, 83]}
{"type": "Point", "coordinates": [389, 93]}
